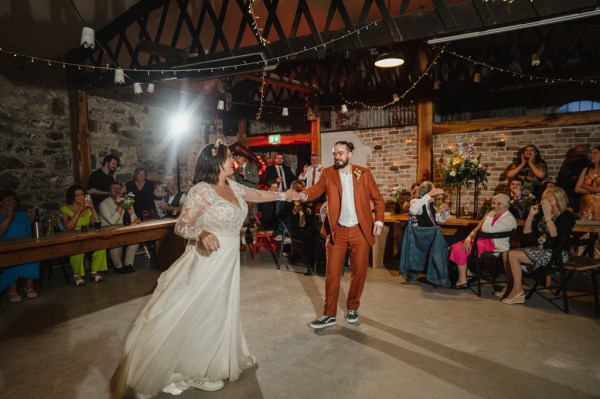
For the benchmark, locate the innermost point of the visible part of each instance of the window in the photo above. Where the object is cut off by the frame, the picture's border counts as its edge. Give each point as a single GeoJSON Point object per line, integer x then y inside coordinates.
{"type": "Point", "coordinates": [579, 106]}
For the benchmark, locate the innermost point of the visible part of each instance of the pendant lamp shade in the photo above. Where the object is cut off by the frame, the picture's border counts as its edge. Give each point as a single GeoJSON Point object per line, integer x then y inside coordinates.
{"type": "Point", "coordinates": [87, 38]}
{"type": "Point", "coordinates": [137, 88]}
{"type": "Point", "coordinates": [119, 76]}
{"type": "Point", "coordinates": [150, 88]}
{"type": "Point", "coordinates": [389, 60]}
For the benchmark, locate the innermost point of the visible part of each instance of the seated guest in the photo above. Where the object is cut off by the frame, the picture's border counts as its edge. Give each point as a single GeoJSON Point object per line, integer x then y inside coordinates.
{"type": "Point", "coordinates": [575, 161]}
{"type": "Point", "coordinates": [520, 200]}
{"type": "Point", "coordinates": [422, 212]}
{"type": "Point", "coordinates": [173, 200]}
{"type": "Point", "coordinates": [588, 186]}
{"type": "Point", "coordinates": [111, 212]}
{"type": "Point", "coordinates": [78, 212]}
{"type": "Point", "coordinates": [145, 191]}
{"type": "Point", "coordinates": [530, 168]}
{"type": "Point", "coordinates": [267, 212]}
{"type": "Point", "coordinates": [551, 223]}
{"type": "Point", "coordinates": [497, 220]}
{"type": "Point", "coordinates": [16, 224]}
{"type": "Point", "coordinates": [414, 194]}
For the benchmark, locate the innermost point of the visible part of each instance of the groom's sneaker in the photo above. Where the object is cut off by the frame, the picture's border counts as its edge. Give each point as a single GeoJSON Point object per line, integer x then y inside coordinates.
{"type": "Point", "coordinates": [352, 316]}
{"type": "Point", "coordinates": [204, 384]}
{"type": "Point", "coordinates": [324, 321]}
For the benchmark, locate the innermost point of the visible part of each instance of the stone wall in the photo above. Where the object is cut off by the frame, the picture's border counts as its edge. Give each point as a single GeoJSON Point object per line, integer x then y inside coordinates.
{"type": "Point", "coordinates": [35, 157]}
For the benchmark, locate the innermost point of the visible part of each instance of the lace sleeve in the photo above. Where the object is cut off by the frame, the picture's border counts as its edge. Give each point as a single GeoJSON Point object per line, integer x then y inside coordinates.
{"type": "Point", "coordinates": [254, 195]}
{"type": "Point", "coordinates": [189, 225]}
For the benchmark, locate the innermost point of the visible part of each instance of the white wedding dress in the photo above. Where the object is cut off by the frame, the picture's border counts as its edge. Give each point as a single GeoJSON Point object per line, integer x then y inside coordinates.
{"type": "Point", "coordinates": [191, 326]}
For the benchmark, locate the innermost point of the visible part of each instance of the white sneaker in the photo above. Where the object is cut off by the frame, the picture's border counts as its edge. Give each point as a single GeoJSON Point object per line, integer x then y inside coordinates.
{"type": "Point", "coordinates": [278, 237]}
{"type": "Point", "coordinates": [204, 384]}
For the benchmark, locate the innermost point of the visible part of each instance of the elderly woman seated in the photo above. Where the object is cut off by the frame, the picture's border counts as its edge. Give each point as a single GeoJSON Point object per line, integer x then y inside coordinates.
{"type": "Point", "coordinates": [552, 228]}
{"type": "Point", "coordinates": [422, 212]}
{"type": "Point", "coordinates": [497, 220]}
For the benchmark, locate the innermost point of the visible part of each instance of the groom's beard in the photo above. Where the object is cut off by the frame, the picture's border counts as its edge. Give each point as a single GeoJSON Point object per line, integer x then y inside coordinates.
{"type": "Point", "coordinates": [340, 164]}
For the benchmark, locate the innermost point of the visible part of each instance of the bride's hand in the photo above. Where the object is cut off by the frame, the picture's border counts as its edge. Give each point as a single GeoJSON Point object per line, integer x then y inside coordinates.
{"type": "Point", "coordinates": [210, 241]}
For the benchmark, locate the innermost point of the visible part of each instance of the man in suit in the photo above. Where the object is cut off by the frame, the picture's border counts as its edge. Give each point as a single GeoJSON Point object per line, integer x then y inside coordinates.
{"type": "Point", "coordinates": [281, 173]}
{"type": "Point", "coordinates": [246, 174]}
{"type": "Point", "coordinates": [349, 226]}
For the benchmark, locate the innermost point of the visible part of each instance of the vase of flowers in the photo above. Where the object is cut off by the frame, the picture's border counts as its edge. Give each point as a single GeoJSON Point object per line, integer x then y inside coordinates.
{"type": "Point", "coordinates": [126, 202]}
{"type": "Point", "coordinates": [464, 169]}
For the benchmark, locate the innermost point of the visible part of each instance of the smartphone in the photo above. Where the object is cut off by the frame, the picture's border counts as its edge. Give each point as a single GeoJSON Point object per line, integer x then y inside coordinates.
{"type": "Point", "coordinates": [88, 198]}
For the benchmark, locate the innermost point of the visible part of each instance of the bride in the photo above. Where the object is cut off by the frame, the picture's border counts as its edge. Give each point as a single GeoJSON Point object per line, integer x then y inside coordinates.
{"type": "Point", "coordinates": [190, 335]}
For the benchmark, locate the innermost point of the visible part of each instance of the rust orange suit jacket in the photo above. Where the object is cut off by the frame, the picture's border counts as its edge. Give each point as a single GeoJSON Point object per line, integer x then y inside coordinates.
{"type": "Point", "coordinates": [365, 191]}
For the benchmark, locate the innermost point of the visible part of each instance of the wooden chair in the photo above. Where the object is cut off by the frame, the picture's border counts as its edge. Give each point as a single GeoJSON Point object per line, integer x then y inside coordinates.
{"type": "Point", "coordinates": [475, 260]}
{"type": "Point", "coordinates": [560, 273]}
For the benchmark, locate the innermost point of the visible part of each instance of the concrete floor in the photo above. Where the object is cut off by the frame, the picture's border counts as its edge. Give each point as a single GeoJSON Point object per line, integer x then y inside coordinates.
{"type": "Point", "coordinates": [412, 341]}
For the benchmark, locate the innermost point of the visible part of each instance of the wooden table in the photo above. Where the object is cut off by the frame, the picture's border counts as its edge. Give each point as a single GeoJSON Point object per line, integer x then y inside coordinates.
{"type": "Point", "coordinates": [581, 226]}
{"type": "Point", "coordinates": [457, 226]}
{"type": "Point", "coordinates": [23, 250]}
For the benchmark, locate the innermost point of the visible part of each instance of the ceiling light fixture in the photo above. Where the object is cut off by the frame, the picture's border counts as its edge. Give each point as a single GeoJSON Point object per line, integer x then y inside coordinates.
{"type": "Point", "coordinates": [389, 60]}
{"type": "Point", "coordinates": [344, 109]}
{"type": "Point", "coordinates": [510, 28]}
{"type": "Point", "coordinates": [87, 38]}
{"type": "Point", "coordinates": [285, 111]}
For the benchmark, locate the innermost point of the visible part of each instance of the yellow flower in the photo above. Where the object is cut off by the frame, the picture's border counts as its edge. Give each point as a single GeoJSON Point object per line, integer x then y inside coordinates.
{"type": "Point", "coordinates": [357, 173]}
{"type": "Point", "coordinates": [457, 161]}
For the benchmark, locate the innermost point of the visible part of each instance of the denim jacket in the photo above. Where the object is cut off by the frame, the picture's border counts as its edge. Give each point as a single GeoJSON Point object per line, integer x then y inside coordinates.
{"type": "Point", "coordinates": [424, 250]}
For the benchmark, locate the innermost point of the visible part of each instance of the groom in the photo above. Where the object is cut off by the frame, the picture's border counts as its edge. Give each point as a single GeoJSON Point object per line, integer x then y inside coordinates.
{"type": "Point", "coordinates": [349, 226]}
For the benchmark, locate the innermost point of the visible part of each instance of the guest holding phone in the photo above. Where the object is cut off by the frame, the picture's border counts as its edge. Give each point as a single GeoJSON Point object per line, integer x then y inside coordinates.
{"type": "Point", "coordinates": [77, 214]}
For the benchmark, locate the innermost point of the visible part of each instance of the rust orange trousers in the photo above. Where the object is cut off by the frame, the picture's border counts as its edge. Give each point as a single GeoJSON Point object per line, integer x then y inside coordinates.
{"type": "Point", "coordinates": [352, 239]}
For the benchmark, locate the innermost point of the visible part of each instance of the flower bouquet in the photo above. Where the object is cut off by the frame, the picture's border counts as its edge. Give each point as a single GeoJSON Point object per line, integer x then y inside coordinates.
{"type": "Point", "coordinates": [397, 193]}
{"type": "Point", "coordinates": [127, 201]}
{"type": "Point", "coordinates": [464, 167]}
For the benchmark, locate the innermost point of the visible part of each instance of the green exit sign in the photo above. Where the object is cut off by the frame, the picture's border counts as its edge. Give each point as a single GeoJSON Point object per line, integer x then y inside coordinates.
{"type": "Point", "coordinates": [275, 139]}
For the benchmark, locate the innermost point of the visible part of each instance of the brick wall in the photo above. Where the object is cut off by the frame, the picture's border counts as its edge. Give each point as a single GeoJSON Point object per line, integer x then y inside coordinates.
{"type": "Point", "coordinates": [398, 148]}
{"type": "Point", "coordinates": [499, 148]}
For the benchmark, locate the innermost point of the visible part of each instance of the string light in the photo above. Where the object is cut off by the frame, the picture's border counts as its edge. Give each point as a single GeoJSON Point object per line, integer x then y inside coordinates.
{"type": "Point", "coordinates": [262, 97]}
{"type": "Point", "coordinates": [518, 74]}
{"type": "Point", "coordinates": [254, 25]}
{"type": "Point", "coordinates": [263, 62]}
{"type": "Point", "coordinates": [397, 97]}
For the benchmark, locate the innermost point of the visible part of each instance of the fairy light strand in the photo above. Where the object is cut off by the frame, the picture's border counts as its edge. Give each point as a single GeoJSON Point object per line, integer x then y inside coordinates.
{"type": "Point", "coordinates": [263, 62]}
{"type": "Point", "coordinates": [254, 25]}
{"type": "Point", "coordinates": [396, 98]}
{"type": "Point", "coordinates": [519, 74]}
{"type": "Point", "coordinates": [262, 97]}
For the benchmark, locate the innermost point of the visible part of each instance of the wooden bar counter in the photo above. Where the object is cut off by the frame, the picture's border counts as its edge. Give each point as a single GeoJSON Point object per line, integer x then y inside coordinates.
{"type": "Point", "coordinates": [581, 226]}
{"type": "Point", "coordinates": [169, 246]}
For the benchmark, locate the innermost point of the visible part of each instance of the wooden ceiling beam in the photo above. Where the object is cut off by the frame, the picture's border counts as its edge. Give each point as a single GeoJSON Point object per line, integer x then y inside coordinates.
{"type": "Point", "coordinates": [282, 81]}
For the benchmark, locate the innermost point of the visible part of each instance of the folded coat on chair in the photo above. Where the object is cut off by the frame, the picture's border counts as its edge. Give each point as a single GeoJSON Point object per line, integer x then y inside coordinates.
{"type": "Point", "coordinates": [424, 250]}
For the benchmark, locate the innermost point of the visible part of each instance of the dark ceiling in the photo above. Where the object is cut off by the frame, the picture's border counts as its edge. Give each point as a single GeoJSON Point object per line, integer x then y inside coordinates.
{"type": "Point", "coordinates": [327, 47]}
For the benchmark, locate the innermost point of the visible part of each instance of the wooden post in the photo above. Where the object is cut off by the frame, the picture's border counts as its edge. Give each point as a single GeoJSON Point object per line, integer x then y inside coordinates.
{"type": "Point", "coordinates": [424, 140]}
{"type": "Point", "coordinates": [80, 135]}
{"type": "Point", "coordinates": [315, 137]}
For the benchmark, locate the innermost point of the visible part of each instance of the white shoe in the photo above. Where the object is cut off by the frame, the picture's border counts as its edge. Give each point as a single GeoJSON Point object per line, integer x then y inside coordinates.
{"type": "Point", "coordinates": [204, 384]}
{"type": "Point", "coordinates": [79, 281]}
{"type": "Point", "coordinates": [97, 277]}
{"type": "Point", "coordinates": [278, 237]}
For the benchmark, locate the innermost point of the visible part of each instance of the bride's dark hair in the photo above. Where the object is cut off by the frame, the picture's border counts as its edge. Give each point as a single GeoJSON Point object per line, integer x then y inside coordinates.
{"type": "Point", "coordinates": [209, 163]}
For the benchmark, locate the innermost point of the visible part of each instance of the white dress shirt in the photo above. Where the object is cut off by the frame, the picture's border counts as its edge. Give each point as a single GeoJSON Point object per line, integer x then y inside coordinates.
{"type": "Point", "coordinates": [348, 216]}
{"type": "Point", "coordinates": [312, 175]}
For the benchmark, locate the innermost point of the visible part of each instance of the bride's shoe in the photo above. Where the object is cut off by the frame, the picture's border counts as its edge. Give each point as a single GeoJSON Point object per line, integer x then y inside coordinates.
{"type": "Point", "coordinates": [204, 384]}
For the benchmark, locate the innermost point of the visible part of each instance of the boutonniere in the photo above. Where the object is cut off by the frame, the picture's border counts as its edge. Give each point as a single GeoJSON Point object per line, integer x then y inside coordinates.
{"type": "Point", "coordinates": [358, 173]}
